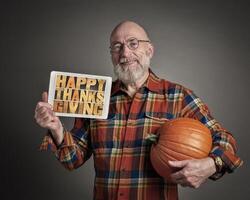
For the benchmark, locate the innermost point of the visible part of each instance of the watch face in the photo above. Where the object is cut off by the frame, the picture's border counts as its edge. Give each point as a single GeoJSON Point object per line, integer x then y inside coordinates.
{"type": "Point", "coordinates": [218, 163]}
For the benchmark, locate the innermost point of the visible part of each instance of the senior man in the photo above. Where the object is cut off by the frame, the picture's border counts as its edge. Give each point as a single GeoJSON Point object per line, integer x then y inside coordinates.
{"type": "Point", "coordinates": [140, 103]}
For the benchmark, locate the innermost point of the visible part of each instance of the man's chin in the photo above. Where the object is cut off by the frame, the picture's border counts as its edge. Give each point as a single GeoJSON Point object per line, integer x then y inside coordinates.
{"type": "Point", "coordinates": [129, 66]}
{"type": "Point", "coordinates": [130, 72]}
{"type": "Point", "coordinates": [130, 77]}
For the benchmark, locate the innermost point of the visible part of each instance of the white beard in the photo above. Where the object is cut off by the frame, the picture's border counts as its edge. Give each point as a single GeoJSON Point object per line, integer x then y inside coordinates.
{"type": "Point", "coordinates": [131, 76]}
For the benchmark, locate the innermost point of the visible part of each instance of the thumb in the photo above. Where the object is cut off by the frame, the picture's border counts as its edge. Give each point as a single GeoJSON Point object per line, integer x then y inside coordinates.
{"type": "Point", "coordinates": [45, 97]}
{"type": "Point", "coordinates": [178, 164]}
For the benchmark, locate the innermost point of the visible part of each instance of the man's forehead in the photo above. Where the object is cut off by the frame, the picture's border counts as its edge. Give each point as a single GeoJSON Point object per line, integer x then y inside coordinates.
{"type": "Point", "coordinates": [128, 30]}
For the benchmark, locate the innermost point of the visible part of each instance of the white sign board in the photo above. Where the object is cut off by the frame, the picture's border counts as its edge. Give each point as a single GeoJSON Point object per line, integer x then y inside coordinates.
{"type": "Point", "coordinates": [79, 95]}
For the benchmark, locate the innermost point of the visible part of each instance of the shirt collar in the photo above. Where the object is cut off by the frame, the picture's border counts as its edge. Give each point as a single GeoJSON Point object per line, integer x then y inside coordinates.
{"type": "Point", "coordinates": [153, 83]}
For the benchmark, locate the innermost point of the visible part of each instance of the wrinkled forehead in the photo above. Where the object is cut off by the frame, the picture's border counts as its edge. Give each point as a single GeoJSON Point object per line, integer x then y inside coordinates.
{"type": "Point", "coordinates": [126, 31]}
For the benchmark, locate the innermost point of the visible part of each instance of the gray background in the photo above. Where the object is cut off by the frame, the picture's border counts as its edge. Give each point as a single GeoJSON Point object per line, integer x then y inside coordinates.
{"type": "Point", "coordinates": [203, 45]}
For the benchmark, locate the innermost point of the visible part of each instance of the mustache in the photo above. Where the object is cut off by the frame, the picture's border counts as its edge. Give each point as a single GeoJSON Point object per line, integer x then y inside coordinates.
{"type": "Point", "coordinates": [126, 60]}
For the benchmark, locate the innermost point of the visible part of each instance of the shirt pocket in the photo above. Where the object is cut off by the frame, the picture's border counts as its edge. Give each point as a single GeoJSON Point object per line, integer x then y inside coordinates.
{"type": "Point", "coordinates": [153, 122]}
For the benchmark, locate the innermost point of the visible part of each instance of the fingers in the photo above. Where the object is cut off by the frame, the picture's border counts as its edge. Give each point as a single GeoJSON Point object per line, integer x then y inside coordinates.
{"type": "Point", "coordinates": [43, 104]}
{"type": "Point", "coordinates": [44, 116]}
{"type": "Point", "coordinates": [44, 122]}
{"type": "Point", "coordinates": [178, 164]}
{"type": "Point", "coordinates": [45, 97]}
{"type": "Point", "coordinates": [178, 175]}
{"type": "Point", "coordinates": [184, 178]}
{"type": "Point", "coordinates": [188, 183]}
{"type": "Point", "coordinates": [183, 174]}
{"type": "Point", "coordinates": [44, 113]}
{"type": "Point", "coordinates": [41, 111]}
{"type": "Point", "coordinates": [188, 175]}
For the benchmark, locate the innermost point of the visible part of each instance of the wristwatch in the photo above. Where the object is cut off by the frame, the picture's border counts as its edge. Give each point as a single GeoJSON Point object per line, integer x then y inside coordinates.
{"type": "Point", "coordinates": [218, 163]}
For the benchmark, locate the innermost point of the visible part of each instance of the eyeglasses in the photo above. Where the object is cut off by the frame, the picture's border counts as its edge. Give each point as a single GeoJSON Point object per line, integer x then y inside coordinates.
{"type": "Point", "coordinates": [131, 43]}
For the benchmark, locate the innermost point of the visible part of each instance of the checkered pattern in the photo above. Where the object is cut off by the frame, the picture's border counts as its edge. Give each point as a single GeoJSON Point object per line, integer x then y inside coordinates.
{"type": "Point", "coordinates": [119, 146]}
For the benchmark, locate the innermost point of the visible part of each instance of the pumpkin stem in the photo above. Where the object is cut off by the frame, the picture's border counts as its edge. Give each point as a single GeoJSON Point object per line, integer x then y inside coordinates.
{"type": "Point", "coordinates": [152, 138]}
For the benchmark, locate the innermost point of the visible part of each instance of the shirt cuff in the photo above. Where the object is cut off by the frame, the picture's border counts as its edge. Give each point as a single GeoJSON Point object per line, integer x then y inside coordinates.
{"type": "Point", "coordinates": [230, 162]}
{"type": "Point", "coordinates": [48, 143]}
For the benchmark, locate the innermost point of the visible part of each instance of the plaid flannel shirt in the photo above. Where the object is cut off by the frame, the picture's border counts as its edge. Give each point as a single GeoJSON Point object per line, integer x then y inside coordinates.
{"type": "Point", "coordinates": [121, 152]}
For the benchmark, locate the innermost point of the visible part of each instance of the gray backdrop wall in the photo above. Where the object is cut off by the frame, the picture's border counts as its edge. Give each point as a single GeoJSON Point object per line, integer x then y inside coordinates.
{"type": "Point", "coordinates": [203, 45]}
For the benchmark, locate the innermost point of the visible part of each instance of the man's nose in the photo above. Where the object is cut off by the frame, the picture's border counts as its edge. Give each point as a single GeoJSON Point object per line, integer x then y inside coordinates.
{"type": "Point", "coordinates": [125, 51]}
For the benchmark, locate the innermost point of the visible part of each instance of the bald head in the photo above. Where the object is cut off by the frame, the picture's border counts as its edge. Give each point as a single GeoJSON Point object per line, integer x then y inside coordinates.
{"type": "Point", "coordinates": [131, 52]}
{"type": "Point", "coordinates": [128, 29]}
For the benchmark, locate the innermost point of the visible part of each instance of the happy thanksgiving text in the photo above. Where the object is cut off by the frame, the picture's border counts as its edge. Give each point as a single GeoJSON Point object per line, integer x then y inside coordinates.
{"type": "Point", "coordinates": [79, 95]}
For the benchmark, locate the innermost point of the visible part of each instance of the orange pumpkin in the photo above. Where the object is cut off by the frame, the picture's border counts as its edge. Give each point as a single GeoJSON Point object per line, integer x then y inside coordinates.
{"type": "Point", "coordinates": [179, 139]}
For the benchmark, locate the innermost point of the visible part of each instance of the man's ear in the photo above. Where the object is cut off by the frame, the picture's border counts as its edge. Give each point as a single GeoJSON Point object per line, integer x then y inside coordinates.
{"type": "Point", "coordinates": [150, 50]}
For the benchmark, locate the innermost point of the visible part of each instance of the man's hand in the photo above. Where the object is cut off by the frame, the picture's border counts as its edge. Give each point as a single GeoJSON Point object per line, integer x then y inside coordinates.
{"type": "Point", "coordinates": [192, 173]}
{"type": "Point", "coordinates": [46, 118]}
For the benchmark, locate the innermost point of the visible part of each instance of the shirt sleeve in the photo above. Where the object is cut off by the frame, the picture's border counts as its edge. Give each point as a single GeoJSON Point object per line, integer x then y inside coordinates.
{"type": "Point", "coordinates": [75, 148]}
{"type": "Point", "coordinates": [224, 144]}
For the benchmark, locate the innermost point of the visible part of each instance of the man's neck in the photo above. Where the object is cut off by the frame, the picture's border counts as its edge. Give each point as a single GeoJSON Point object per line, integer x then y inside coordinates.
{"type": "Point", "coordinates": [133, 87]}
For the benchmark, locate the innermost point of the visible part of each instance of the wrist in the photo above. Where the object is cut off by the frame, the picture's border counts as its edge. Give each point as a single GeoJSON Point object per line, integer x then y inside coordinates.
{"type": "Point", "coordinates": [219, 164]}
{"type": "Point", "coordinates": [58, 135]}
{"type": "Point", "coordinates": [211, 165]}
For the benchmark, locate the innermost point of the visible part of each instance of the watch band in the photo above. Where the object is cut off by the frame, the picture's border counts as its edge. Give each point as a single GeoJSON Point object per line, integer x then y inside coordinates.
{"type": "Point", "coordinates": [218, 163]}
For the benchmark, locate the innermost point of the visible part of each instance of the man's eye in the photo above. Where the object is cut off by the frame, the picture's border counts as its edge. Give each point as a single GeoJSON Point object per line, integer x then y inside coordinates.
{"type": "Point", "coordinates": [117, 47]}
{"type": "Point", "coordinates": [133, 43]}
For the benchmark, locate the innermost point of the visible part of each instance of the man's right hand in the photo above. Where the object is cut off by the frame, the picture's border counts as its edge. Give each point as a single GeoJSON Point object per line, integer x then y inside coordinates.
{"type": "Point", "coordinates": [45, 117]}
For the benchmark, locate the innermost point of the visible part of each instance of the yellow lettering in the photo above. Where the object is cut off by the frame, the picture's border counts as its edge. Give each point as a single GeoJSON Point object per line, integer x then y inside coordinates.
{"type": "Point", "coordinates": [60, 81]}
{"type": "Point", "coordinates": [91, 96]}
{"type": "Point", "coordinates": [84, 96]}
{"type": "Point", "coordinates": [80, 81]}
{"type": "Point", "coordinates": [73, 106]}
{"type": "Point", "coordinates": [71, 82]}
{"type": "Point", "coordinates": [98, 109]}
{"type": "Point", "coordinates": [67, 93]}
{"type": "Point", "coordinates": [65, 106]}
{"type": "Point", "coordinates": [88, 108]}
{"type": "Point", "coordinates": [58, 94]}
{"type": "Point", "coordinates": [99, 97]}
{"type": "Point", "coordinates": [75, 96]}
{"type": "Point", "coordinates": [80, 108]}
{"type": "Point", "coordinates": [90, 82]}
{"type": "Point", "coordinates": [58, 106]}
{"type": "Point", "coordinates": [101, 84]}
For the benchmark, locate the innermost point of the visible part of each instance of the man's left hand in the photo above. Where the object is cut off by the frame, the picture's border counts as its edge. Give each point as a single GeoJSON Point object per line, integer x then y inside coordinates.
{"type": "Point", "coordinates": [192, 173]}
